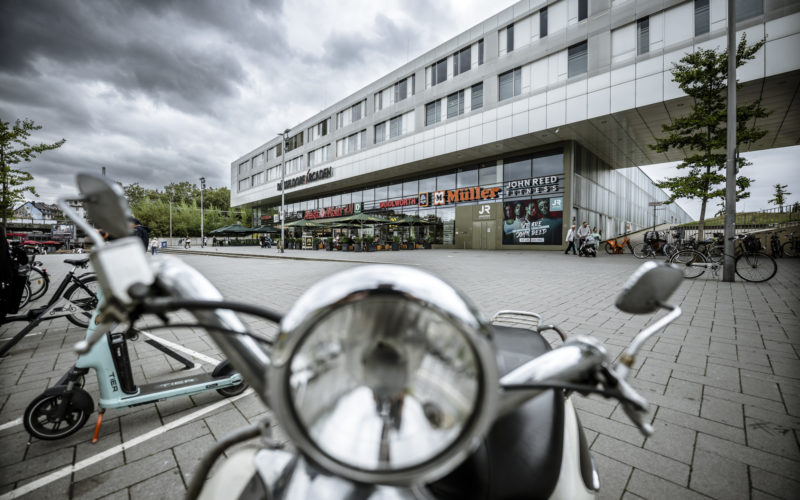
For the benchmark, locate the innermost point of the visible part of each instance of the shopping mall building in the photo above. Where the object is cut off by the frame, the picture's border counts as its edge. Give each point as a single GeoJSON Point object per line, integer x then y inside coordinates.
{"type": "Point", "coordinates": [534, 119]}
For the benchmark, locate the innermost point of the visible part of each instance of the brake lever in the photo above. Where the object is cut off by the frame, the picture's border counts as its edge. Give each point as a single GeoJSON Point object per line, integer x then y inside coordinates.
{"type": "Point", "coordinates": [634, 404]}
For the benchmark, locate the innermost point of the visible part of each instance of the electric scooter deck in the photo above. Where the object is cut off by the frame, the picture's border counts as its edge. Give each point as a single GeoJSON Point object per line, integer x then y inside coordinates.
{"type": "Point", "coordinates": [184, 386]}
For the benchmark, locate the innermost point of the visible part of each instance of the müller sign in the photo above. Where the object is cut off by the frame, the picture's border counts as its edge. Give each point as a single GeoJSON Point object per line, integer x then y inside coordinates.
{"type": "Point", "coordinates": [305, 179]}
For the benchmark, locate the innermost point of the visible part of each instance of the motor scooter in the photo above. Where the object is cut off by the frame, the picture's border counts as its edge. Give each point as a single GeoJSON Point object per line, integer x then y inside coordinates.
{"type": "Point", "coordinates": [63, 409]}
{"type": "Point", "coordinates": [390, 384]}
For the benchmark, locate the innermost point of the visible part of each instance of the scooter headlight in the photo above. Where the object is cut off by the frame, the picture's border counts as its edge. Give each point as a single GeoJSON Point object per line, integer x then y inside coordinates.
{"type": "Point", "coordinates": [383, 374]}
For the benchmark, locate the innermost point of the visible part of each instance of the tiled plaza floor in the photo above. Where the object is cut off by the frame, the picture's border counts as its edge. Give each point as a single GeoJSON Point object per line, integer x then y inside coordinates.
{"type": "Point", "coordinates": [723, 380]}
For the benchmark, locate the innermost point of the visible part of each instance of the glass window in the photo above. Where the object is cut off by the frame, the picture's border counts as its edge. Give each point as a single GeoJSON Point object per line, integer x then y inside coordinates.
{"type": "Point", "coordinates": [643, 36]}
{"type": "Point", "coordinates": [510, 83]}
{"type": "Point", "coordinates": [351, 143]}
{"type": "Point", "coordinates": [577, 59]}
{"type": "Point", "coordinates": [336, 200]}
{"type": "Point", "coordinates": [427, 185]}
{"type": "Point", "coordinates": [326, 202]}
{"type": "Point", "coordinates": [380, 132]}
{"type": "Point", "coordinates": [467, 178]}
{"type": "Point", "coordinates": [510, 38]}
{"type": "Point", "coordinates": [583, 9]}
{"type": "Point", "coordinates": [702, 17]}
{"type": "Point", "coordinates": [462, 61]}
{"type": "Point", "coordinates": [548, 165]}
{"type": "Point", "coordinates": [396, 126]}
{"type": "Point", "coordinates": [439, 72]}
{"type": "Point", "coordinates": [516, 168]}
{"type": "Point", "coordinates": [400, 90]}
{"type": "Point", "coordinates": [543, 23]}
{"type": "Point", "coordinates": [477, 96]}
{"type": "Point", "coordinates": [480, 52]}
{"type": "Point", "coordinates": [455, 104]}
{"type": "Point", "coordinates": [447, 181]}
{"type": "Point", "coordinates": [410, 188]}
{"type": "Point", "coordinates": [368, 195]}
{"type": "Point", "coordinates": [346, 199]}
{"type": "Point", "coordinates": [488, 175]}
{"type": "Point", "coordinates": [433, 112]}
{"type": "Point", "coordinates": [395, 191]}
{"type": "Point", "coordinates": [745, 9]}
{"type": "Point", "coordinates": [356, 112]}
{"type": "Point", "coordinates": [381, 193]}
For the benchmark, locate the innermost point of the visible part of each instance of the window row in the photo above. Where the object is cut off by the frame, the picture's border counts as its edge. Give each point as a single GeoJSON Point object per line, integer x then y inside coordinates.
{"type": "Point", "coordinates": [549, 19]}
{"type": "Point", "coordinates": [319, 155]}
{"type": "Point", "coordinates": [319, 130]}
{"type": "Point", "coordinates": [352, 143]}
{"type": "Point", "coordinates": [455, 64]}
{"type": "Point", "coordinates": [351, 114]}
{"type": "Point", "coordinates": [394, 127]}
{"type": "Point", "coordinates": [395, 93]}
{"type": "Point", "coordinates": [455, 104]}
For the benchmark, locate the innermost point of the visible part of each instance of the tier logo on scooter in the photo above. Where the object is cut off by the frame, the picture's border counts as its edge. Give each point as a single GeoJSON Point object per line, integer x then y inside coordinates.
{"type": "Point", "coordinates": [113, 381]}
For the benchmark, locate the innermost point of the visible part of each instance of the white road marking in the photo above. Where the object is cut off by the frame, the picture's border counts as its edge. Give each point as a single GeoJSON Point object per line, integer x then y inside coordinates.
{"type": "Point", "coordinates": [66, 471]}
{"type": "Point", "coordinates": [8, 425]}
{"type": "Point", "coordinates": [26, 335]}
{"type": "Point", "coordinates": [185, 350]}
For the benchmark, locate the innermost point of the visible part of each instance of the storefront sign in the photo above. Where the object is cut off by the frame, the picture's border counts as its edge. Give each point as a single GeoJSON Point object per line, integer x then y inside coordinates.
{"type": "Point", "coordinates": [537, 185]}
{"type": "Point", "coordinates": [485, 212]}
{"type": "Point", "coordinates": [464, 194]}
{"type": "Point", "coordinates": [533, 222]}
{"type": "Point", "coordinates": [324, 213]}
{"type": "Point", "coordinates": [309, 177]}
{"type": "Point", "coordinates": [399, 203]}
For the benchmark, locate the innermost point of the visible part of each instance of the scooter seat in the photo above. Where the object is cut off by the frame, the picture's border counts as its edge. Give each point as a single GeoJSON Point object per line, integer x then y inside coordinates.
{"type": "Point", "coordinates": [520, 457]}
{"type": "Point", "coordinates": [78, 262]}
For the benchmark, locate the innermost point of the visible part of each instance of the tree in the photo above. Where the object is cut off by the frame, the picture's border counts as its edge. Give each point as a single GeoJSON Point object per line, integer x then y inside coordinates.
{"type": "Point", "coordinates": [14, 148]}
{"type": "Point", "coordinates": [780, 196]}
{"type": "Point", "coordinates": [702, 133]}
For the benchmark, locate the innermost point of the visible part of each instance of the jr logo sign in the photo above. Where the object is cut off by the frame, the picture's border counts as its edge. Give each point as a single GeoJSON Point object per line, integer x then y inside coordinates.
{"type": "Point", "coordinates": [485, 210]}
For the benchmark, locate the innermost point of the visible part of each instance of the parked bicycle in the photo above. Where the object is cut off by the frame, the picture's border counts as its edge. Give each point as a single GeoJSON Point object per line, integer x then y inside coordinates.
{"type": "Point", "coordinates": [75, 298]}
{"type": "Point", "coordinates": [775, 245]}
{"type": "Point", "coordinates": [615, 247]}
{"type": "Point", "coordinates": [653, 243]}
{"type": "Point", "coordinates": [752, 264]}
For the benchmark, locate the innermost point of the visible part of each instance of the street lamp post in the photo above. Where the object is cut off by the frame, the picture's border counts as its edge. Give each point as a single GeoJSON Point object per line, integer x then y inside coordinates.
{"type": "Point", "coordinates": [170, 220]}
{"type": "Point", "coordinates": [202, 188]}
{"type": "Point", "coordinates": [283, 186]}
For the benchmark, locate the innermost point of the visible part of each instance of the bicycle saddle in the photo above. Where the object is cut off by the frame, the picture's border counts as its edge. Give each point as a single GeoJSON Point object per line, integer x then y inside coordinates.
{"type": "Point", "coordinates": [84, 262]}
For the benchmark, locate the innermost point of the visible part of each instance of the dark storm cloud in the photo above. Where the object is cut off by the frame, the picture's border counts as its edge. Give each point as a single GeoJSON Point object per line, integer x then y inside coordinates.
{"type": "Point", "coordinates": [347, 48]}
{"type": "Point", "coordinates": [156, 48]}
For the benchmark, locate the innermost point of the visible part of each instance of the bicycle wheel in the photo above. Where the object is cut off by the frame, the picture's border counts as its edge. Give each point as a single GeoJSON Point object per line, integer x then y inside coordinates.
{"type": "Point", "coordinates": [39, 283]}
{"type": "Point", "coordinates": [756, 267]}
{"type": "Point", "coordinates": [688, 261]}
{"type": "Point", "coordinates": [669, 249]}
{"type": "Point", "coordinates": [25, 297]}
{"type": "Point", "coordinates": [609, 248]}
{"type": "Point", "coordinates": [640, 250]}
{"type": "Point", "coordinates": [85, 297]}
{"type": "Point", "coordinates": [789, 250]}
{"type": "Point", "coordinates": [716, 253]}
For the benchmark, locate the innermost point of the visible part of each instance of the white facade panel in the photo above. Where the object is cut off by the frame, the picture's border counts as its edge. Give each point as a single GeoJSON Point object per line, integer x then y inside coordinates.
{"type": "Point", "coordinates": [783, 55]}
{"type": "Point", "coordinates": [718, 14]}
{"type": "Point", "coordinates": [490, 131]}
{"type": "Point", "coordinates": [576, 109]}
{"type": "Point", "coordinates": [599, 103]}
{"type": "Point", "coordinates": [556, 17]}
{"type": "Point", "coordinates": [519, 125]}
{"type": "Point", "coordinates": [623, 43]}
{"type": "Point", "coordinates": [556, 114]}
{"type": "Point", "coordinates": [679, 24]}
{"type": "Point", "coordinates": [624, 74]}
{"type": "Point", "coordinates": [649, 66]}
{"type": "Point", "coordinates": [538, 100]}
{"type": "Point", "coordinates": [576, 88]}
{"type": "Point", "coordinates": [539, 72]}
{"type": "Point", "coordinates": [537, 119]}
{"type": "Point", "coordinates": [522, 33]}
{"type": "Point", "coordinates": [557, 94]}
{"type": "Point", "coordinates": [783, 26]}
{"type": "Point", "coordinates": [504, 128]}
{"type": "Point", "coordinates": [623, 96]}
{"type": "Point", "coordinates": [671, 88]}
{"type": "Point", "coordinates": [656, 32]}
{"type": "Point", "coordinates": [649, 90]}
{"type": "Point", "coordinates": [599, 82]}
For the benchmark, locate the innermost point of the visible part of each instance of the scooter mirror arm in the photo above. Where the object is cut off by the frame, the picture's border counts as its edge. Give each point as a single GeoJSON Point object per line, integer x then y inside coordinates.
{"type": "Point", "coordinates": [628, 356]}
{"type": "Point", "coordinates": [576, 361]}
{"type": "Point", "coordinates": [185, 283]}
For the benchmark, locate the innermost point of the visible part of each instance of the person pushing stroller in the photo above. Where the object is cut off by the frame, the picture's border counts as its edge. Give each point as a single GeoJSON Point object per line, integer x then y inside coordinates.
{"type": "Point", "coordinates": [588, 248]}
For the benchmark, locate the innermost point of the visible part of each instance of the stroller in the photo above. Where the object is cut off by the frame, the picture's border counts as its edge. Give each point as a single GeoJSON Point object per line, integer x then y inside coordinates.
{"type": "Point", "coordinates": [588, 247]}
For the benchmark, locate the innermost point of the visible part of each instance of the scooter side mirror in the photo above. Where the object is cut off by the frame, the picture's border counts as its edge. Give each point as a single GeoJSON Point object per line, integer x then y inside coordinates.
{"type": "Point", "coordinates": [105, 203]}
{"type": "Point", "coordinates": [649, 287]}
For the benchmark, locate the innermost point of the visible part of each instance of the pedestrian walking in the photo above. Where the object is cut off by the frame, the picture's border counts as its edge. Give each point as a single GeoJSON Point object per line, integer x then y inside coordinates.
{"type": "Point", "coordinates": [571, 241]}
{"type": "Point", "coordinates": [583, 232]}
{"type": "Point", "coordinates": [154, 246]}
{"type": "Point", "coordinates": [187, 243]}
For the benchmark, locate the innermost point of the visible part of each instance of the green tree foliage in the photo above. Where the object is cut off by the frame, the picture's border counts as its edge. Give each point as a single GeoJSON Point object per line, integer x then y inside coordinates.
{"type": "Point", "coordinates": [152, 208]}
{"type": "Point", "coordinates": [780, 195]}
{"type": "Point", "coordinates": [15, 148]}
{"type": "Point", "coordinates": [702, 134]}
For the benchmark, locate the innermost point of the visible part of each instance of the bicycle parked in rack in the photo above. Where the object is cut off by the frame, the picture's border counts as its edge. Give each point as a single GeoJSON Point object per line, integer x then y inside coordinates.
{"type": "Point", "coordinates": [752, 264]}
{"type": "Point", "coordinates": [652, 244]}
{"type": "Point", "coordinates": [76, 298]}
{"type": "Point", "coordinates": [775, 246]}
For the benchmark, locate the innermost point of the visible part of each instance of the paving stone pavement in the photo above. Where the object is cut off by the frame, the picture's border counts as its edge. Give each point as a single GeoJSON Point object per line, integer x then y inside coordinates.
{"type": "Point", "coordinates": [722, 380]}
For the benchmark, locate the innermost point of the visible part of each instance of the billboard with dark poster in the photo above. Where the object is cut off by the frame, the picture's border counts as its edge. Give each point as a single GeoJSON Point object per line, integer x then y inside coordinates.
{"type": "Point", "coordinates": [533, 221]}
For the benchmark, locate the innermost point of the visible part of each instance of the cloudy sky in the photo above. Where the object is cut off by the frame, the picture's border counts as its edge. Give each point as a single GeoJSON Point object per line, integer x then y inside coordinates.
{"type": "Point", "coordinates": [160, 91]}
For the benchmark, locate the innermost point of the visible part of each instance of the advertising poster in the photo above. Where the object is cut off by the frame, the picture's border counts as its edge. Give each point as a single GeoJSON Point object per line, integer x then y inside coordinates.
{"type": "Point", "coordinates": [533, 222]}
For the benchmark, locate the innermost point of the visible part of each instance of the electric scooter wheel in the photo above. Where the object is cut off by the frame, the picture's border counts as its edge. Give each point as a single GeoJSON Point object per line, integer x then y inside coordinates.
{"type": "Point", "coordinates": [40, 418]}
{"type": "Point", "coordinates": [223, 370]}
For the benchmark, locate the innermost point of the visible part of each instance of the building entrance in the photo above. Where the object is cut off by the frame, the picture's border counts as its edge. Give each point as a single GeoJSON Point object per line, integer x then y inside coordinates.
{"type": "Point", "coordinates": [483, 235]}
